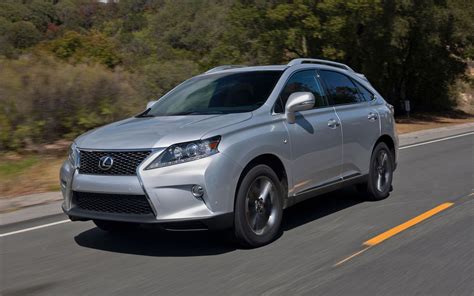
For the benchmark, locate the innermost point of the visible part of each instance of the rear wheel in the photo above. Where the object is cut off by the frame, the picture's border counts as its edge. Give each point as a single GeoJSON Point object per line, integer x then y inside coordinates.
{"type": "Point", "coordinates": [379, 183]}
{"type": "Point", "coordinates": [258, 207]}
{"type": "Point", "coordinates": [114, 226]}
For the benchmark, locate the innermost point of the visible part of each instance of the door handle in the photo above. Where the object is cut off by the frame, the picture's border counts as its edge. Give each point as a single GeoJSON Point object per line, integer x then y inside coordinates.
{"type": "Point", "coordinates": [332, 123]}
{"type": "Point", "coordinates": [372, 116]}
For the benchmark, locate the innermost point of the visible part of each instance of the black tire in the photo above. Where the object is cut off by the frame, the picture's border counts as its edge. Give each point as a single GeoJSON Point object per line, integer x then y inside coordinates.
{"type": "Point", "coordinates": [250, 207]}
{"type": "Point", "coordinates": [114, 226]}
{"type": "Point", "coordinates": [371, 189]}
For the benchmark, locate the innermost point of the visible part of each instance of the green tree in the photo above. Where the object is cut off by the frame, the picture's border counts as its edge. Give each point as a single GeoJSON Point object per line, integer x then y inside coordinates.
{"type": "Point", "coordinates": [23, 34]}
{"type": "Point", "coordinates": [42, 13]}
{"type": "Point", "coordinates": [14, 11]}
{"type": "Point", "coordinates": [77, 48]}
{"type": "Point", "coordinates": [197, 31]}
{"type": "Point", "coordinates": [408, 49]}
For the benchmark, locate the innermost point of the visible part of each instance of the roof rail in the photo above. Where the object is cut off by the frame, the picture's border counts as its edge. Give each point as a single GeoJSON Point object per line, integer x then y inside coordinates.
{"type": "Point", "coordinates": [224, 67]}
{"type": "Point", "coordinates": [321, 62]}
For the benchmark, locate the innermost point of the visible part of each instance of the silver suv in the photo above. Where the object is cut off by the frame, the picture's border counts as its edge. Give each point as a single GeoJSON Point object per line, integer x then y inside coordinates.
{"type": "Point", "coordinates": [232, 148]}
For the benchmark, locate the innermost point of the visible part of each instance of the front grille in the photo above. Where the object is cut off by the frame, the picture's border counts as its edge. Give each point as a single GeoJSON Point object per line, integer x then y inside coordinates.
{"type": "Point", "coordinates": [125, 163]}
{"type": "Point", "coordinates": [112, 203]}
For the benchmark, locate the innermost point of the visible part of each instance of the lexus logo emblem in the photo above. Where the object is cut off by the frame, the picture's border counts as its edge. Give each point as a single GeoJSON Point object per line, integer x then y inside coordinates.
{"type": "Point", "coordinates": [105, 163]}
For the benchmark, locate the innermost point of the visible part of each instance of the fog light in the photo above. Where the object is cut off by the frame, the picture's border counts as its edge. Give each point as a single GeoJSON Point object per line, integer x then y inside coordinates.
{"type": "Point", "coordinates": [197, 191]}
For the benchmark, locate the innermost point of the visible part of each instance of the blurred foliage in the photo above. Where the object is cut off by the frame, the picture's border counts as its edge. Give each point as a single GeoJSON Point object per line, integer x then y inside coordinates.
{"type": "Point", "coordinates": [22, 34]}
{"type": "Point", "coordinates": [76, 48]}
{"type": "Point", "coordinates": [71, 65]}
{"type": "Point", "coordinates": [409, 50]}
{"type": "Point", "coordinates": [44, 100]}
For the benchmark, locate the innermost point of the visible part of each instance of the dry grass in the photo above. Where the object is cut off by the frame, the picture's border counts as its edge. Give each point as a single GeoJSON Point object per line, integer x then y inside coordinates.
{"type": "Point", "coordinates": [423, 122]}
{"type": "Point", "coordinates": [35, 173]}
{"type": "Point", "coordinates": [25, 174]}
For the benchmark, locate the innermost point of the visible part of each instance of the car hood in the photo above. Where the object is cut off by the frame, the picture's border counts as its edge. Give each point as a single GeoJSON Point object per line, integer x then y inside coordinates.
{"type": "Point", "coordinates": [155, 132]}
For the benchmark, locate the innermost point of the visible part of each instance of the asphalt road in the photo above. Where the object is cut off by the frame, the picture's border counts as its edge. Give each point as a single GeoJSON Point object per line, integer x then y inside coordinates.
{"type": "Point", "coordinates": [434, 257]}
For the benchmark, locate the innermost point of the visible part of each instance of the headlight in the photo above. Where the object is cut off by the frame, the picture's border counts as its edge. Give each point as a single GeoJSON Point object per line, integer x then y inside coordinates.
{"type": "Point", "coordinates": [74, 155]}
{"type": "Point", "coordinates": [184, 152]}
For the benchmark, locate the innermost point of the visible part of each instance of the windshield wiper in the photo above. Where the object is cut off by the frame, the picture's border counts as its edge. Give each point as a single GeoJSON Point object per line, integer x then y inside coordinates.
{"type": "Point", "coordinates": [145, 114]}
{"type": "Point", "coordinates": [194, 113]}
{"type": "Point", "coordinates": [211, 112]}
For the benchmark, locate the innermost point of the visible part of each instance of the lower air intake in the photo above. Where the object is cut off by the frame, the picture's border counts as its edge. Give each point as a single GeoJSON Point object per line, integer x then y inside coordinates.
{"type": "Point", "coordinates": [112, 203]}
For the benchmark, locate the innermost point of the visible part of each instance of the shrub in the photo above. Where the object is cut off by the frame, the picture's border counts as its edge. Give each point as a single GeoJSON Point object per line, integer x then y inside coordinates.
{"type": "Point", "coordinates": [75, 47]}
{"type": "Point", "coordinates": [23, 34]}
{"type": "Point", "coordinates": [43, 100]}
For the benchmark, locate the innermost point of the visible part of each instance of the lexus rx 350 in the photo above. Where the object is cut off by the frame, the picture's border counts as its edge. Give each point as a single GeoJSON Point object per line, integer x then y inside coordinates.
{"type": "Point", "coordinates": [232, 148]}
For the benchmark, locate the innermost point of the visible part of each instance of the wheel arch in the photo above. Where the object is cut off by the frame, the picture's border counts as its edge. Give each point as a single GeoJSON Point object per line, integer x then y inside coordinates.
{"type": "Point", "coordinates": [275, 163]}
{"type": "Point", "coordinates": [388, 140]}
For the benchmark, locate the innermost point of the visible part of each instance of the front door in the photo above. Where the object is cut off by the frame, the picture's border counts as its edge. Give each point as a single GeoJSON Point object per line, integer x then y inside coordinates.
{"type": "Point", "coordinates": [315, 137]}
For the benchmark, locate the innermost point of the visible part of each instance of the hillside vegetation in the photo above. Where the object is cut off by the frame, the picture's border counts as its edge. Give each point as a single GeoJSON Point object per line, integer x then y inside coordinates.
{"type": "Point", "coordinates": [67, 66]}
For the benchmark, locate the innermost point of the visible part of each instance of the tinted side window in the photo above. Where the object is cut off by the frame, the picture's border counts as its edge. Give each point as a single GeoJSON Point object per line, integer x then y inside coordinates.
{"type": "Point", "coordinates": [301, 81]}
{"type": "Point", "coordinates": [340, 88]}
{"type": "Point", "coordinates": [366, 94]}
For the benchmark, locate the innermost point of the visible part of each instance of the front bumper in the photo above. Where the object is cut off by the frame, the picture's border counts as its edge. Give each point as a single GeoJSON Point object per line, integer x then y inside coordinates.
{"type": "Point", "coordinates": [215, 222]}
{"type": "Point", "coordinates": [167, 189]}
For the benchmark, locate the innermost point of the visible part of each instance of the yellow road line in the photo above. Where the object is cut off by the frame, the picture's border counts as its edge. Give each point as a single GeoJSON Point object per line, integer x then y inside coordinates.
{"type": "Point", "coordinates": [352, 256]}
{"type": "Point", "coordinates": [389, 233]}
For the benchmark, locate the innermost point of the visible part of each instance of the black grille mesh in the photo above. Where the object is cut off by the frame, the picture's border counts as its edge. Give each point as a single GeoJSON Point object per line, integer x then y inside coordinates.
{"type": "Point", "coordinates": [112, 203]}
{"type": "Point", "coordinates": [125, 163]}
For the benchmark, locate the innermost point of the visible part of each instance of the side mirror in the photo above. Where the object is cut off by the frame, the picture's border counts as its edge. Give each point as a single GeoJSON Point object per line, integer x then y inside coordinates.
{"type": "Point", "coordinates": [149, 104]}
{"type": "Point", "coordinates": [298, 101]}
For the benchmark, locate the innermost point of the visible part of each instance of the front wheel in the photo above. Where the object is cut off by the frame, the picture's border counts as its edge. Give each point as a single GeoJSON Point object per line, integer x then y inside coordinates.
{"type": "Point", "coordinates": [258, 207]}
{"type": "Point", "coordinates": [379, 183]}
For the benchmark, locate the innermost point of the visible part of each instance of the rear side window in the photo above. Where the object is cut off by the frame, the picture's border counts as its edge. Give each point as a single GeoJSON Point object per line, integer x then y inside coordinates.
{"type": "Point", "coordinates": [364, 92]}
{"type": "Point", "coordinates": [341, 89]}
{"type": "Point", "coordinates": [303, 81]}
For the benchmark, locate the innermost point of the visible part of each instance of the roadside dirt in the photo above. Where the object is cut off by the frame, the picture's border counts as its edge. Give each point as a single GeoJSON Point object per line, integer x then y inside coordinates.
{"type": "Point", "coordinates": [420, 122]}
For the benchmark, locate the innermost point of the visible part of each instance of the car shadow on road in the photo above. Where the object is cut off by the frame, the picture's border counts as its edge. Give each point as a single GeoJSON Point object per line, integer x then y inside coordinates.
{"type": "Point", "coordinates": [157, 242]}
{"type": "Point", "coordinates": [321, 206]}
{"type": "Point", "coordinates": [160, 243]}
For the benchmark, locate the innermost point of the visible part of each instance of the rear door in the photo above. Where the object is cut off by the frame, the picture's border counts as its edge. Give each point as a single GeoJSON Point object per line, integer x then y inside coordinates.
{"type": "Point", "coordinates": [359, 118]}
{"type": "Point", "coordinates": [315, 137]}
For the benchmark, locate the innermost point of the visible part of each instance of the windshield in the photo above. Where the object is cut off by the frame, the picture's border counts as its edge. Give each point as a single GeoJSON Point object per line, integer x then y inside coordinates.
{"type": "Point", "coordinates": [222, 93]}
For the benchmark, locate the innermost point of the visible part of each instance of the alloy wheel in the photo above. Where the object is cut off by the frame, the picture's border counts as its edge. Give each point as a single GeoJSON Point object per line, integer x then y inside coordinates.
{"type": "Point", "coordinates": [260, 210]}
{"type": "Point", "coordinates": [382, 171]}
